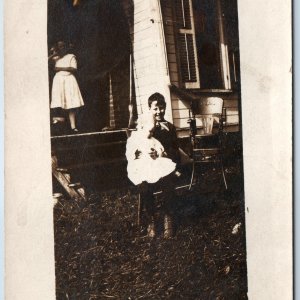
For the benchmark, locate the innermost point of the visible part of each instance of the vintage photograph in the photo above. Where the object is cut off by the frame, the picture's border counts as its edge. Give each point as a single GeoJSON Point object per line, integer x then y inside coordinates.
{"type": "Point", "coordinates": [147, 151]}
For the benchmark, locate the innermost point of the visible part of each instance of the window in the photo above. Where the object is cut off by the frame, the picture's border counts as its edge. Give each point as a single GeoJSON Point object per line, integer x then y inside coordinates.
{"type": "Point", "coordinates": [207, 43]}
{"type": "Point", "coordinates": [187, 44]}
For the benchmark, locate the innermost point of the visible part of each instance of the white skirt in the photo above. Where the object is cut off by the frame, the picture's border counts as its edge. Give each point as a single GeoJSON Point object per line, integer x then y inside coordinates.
{"type": "Point", "coordinates": [65, 92]}
{"type": "Point", "coordinates": [150, 170]}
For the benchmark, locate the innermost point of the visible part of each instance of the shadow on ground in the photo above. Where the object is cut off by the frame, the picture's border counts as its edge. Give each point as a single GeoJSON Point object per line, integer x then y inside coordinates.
{"type": "Point", "coordinates": [101, 255]}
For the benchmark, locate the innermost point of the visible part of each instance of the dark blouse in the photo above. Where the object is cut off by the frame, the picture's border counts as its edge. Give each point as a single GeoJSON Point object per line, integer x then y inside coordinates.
{"type": "Point", "coordinates": [166, 134]}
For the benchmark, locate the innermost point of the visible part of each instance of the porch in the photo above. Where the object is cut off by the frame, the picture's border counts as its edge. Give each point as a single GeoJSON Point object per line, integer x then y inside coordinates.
{"type": "Point", "coordinates": [92, 162]}
{"type": "Point", "coordinates": [130, 49]}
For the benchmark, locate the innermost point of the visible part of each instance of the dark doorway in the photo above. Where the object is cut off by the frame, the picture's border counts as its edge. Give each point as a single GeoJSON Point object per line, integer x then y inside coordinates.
{"type": "Point", "coordinates": [99, 34]}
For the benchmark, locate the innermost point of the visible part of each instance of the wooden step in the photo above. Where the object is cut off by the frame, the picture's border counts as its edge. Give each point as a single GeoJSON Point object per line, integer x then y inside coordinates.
{"type": "Point", "coordinates": [62, 170]}
{"type": "Point", "coordinates": [75, 185]}
{"type": "Point", "coordinates": [62, 175]}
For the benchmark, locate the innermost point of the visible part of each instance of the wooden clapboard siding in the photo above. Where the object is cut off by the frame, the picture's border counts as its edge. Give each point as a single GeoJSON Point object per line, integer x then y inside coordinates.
{"type": "Point", "coordinates": [172, 69]}
{"type": "Point", "coordinates": [180, 110]}
{"type": "Point", "coordinates": [168, 35]}
{"type": "Point", "coordinates": [232, 113]}
{"type": "Point", "coordinates": [150, 63]}
{"type": "Point", "coordinates": [179, 107]}
{"type": "Point", "coordinates": [143, 23]}
{"type": "Point", "coordinates": [231, 119]}
{"type": "Point", "coordinates": [168, 21]}
{"type": "Point", "coordinates": [184, 114]}
{"type": "Point", "coordinates": [139, 3]}
{"type": "Point", "coordinates": [140, 6]}
{"type": "Point", "coordinates": [172, 60]}
{"type": "Point", "coordinates": [181, 113]}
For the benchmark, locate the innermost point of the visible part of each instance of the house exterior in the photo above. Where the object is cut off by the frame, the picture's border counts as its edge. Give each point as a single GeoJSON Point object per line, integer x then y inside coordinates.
{"type": "Point", "coordinates": [192, 44]}
{"type": "Point", "coordinates": [130, 49]}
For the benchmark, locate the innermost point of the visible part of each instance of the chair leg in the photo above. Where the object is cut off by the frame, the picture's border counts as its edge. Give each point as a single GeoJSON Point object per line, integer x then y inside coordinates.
{"type": "Point", "coordinates": [223, 174]}
{"type": "Point", "coordinates": [192, 177]}
{"type": "Point", "coordinates": [140, 208]}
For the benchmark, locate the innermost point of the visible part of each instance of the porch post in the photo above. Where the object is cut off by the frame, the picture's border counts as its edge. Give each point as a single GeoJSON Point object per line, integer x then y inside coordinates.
{"type": "Point", "coordinates": [150, 59]}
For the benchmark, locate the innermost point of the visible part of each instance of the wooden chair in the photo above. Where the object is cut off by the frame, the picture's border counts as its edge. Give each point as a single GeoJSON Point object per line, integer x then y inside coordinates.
{"type": "Point", "coordinates": [206, 119]}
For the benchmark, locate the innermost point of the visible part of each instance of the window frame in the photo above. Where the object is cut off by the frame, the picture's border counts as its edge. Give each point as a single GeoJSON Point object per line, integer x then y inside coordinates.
{"type": "Point", "coordinates": [191, 31]}
{"type": "Point", "coordinates": [225, 66]}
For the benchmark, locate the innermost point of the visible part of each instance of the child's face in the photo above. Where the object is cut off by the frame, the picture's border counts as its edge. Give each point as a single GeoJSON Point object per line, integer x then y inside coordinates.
{"type": "Point", "coordinates": [158, 111]}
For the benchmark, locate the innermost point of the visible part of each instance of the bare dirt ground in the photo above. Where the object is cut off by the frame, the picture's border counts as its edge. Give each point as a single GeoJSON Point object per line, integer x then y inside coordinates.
{"type": "Point", "coordinates": [100, 253]}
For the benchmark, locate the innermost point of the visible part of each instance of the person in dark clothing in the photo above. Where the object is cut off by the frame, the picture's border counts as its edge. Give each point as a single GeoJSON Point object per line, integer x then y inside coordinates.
{"type": "Point", "coordinates": [165, 133]}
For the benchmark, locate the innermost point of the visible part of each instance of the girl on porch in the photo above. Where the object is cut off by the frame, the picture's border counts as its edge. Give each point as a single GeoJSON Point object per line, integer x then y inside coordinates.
{"type": "Point", "coordinates": [65, 90]}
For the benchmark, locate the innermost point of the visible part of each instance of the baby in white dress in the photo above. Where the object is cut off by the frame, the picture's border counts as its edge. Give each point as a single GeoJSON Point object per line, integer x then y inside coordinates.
{"type": "Point", "coordinates": [146, 155]}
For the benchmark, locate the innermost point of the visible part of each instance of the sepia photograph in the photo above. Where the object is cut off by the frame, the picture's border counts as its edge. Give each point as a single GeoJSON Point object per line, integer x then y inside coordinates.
{"type": "Point", "coordinates": [145, 115]}
{"type": "Point", "coordinates": [148, 149]}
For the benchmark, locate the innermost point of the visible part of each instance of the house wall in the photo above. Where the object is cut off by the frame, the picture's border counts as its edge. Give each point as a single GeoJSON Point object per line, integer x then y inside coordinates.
{"type": "Point", "coordinates": [179, 107]}
{"type": "Point", "coordinates": [150, 67]}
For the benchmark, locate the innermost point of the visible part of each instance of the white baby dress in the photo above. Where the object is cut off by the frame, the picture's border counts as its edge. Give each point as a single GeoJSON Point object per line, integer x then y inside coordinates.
{"type": "Point", "coordinates": [146, 168]}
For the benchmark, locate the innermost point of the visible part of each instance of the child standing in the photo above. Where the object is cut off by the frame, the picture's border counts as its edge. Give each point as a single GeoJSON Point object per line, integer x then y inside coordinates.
{"type": "Point", "coordinates": [65, 90]}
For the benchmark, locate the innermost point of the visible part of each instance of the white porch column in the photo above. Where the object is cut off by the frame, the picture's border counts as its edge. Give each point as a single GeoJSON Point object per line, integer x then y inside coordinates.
{"type": "Point", "coordinates": [150, 58]}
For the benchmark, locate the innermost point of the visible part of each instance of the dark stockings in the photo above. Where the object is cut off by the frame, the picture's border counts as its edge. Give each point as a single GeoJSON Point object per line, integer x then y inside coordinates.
{"type": "Point", "coordinates": [167, 186]}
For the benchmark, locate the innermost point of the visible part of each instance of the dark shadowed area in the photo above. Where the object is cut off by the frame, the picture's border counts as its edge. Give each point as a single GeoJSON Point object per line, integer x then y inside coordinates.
{"type": "Point", "coordinates": [97, 33]}
{"type": "Point", "coordinates": [98, 30]}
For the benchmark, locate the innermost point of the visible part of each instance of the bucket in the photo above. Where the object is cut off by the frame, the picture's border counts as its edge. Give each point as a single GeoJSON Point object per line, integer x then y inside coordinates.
{"type": "Point", "coordinates": [207, 123]}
